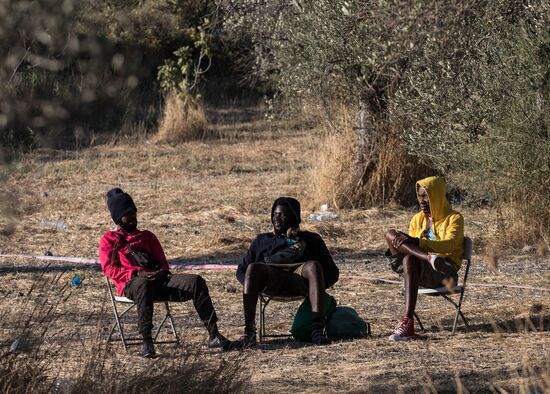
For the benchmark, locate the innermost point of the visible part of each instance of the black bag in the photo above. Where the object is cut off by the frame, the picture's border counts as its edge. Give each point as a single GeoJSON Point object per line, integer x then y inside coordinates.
{"type": "Point", "coordinates": [141, 259]}
{"type": "Point", "coordinates": [344, 323]}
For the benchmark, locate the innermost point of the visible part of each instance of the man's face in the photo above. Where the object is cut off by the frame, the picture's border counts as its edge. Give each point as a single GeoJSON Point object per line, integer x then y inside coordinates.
{"type": "Point", "coordinates": [423, 200]}
{"type": "Point", "coordinates": [129, 221]}
{"type": "Point", "coordinates": [282, 219]}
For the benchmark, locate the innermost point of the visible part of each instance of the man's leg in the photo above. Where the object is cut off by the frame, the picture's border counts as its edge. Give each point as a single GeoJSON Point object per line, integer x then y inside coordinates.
{"type": "Point", "coordinates": [313, 273]}
{"type": "Point", "coordinates": [141, 291]}
{"type": "Point", "coordinates": [183, 287]}
{"type": "Point", "coordinates": [411, 271]}
{"type": "Point", "coordinates": [255, 280]}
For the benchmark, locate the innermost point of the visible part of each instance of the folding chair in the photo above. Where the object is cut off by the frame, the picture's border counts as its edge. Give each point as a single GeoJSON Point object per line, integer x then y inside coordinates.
{"type": "Point", "coordinates": [128, 341]}
{"type": "Point", "coordinates": [458, 290]}
{"type": "Point", "coordinates": [264, 302]}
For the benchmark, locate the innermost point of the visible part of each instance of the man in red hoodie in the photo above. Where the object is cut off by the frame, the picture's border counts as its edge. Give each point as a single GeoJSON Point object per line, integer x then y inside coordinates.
{"type": "Point", "coordinates": [135, 262]}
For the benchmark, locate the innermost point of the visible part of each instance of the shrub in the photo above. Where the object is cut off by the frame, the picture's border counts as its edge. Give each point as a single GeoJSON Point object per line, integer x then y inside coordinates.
{"type": "Point", "coordinates": [181, 120]}
{"type": "Point", "coordinates": [355, 170]}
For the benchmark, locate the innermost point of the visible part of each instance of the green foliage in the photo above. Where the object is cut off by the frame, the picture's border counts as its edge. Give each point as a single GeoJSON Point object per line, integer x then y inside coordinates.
{"type": "Point", "coordinates": [476, 107]}
{"type": "Point", "coordinates": [182, 73]}
{"type": "Point", "coordinates": [465, 84]}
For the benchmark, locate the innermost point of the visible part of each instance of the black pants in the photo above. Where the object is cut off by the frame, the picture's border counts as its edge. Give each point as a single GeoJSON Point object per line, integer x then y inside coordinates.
{"type": "Point", "coordinates": [180, 287]}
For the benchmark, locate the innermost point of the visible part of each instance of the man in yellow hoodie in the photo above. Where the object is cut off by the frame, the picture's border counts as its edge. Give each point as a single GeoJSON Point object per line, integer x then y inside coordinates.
{"type": "Point", "coordinates": [431, 253]}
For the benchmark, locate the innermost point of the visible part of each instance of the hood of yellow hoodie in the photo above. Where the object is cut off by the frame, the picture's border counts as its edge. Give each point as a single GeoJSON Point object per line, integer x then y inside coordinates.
{"type": "Point", "coordinates": [436, 187]}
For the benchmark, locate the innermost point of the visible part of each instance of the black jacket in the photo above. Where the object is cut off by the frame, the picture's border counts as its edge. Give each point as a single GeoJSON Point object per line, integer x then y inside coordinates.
{"type": "Point", "coordinates": [268, 243]}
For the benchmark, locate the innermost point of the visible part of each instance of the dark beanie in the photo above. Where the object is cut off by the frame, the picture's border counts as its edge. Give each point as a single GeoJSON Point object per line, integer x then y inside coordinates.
{"type": "Point", "coordinates": [292, 204]}
{"type": "Point", "coordinates": [119, 204]}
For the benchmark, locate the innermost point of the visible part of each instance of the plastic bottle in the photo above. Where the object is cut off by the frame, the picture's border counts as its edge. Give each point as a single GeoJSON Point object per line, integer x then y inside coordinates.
{"type": "Point", "coordinates": [76, 281]}
{"type": "Point", "coordinates": [56, 224]}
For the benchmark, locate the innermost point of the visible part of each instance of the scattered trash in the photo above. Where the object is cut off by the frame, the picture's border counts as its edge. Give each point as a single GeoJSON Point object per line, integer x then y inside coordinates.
{"type": "Point", "coordinates": [60, 385]}
{"type": "Point", "coordinates": [324, 214]}
{"type": "Point", "coordinates": [230, 289]}
{"type": "Point", "coordinates": [56, 224]}
{"type": "Point", "coordinates": [19, 345]}
{"type": "Point", "coordinates": [528, 248]}
{"type": "Point", "coordinates": [322, 217]}
{"type": "Point", "coordinates": [48, 253]}
{"type": "Point", "coordinates": [76, 281]}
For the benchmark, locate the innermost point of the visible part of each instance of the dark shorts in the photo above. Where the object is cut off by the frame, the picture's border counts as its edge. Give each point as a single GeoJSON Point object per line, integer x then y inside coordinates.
{"type": "Point", "coordinates": [429, 277]}
{"type": "Point", "coordinates": [286, 281]}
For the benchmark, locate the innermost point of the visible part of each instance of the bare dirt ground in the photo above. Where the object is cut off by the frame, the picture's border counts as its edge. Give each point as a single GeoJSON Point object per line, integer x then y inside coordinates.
{"type": "Point", "coordinates": [206, 201]}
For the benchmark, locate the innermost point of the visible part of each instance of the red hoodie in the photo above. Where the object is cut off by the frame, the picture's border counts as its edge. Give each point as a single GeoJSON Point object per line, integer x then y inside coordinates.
{"type": "Point", "coordinates": [120, 267]}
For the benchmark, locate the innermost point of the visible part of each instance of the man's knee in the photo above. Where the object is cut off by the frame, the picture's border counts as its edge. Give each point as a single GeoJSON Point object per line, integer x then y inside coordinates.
{"type": "Point", "coordinates": [195, 284]}
{"type": "Point", "coordinates": [311, 269]}
{"type": "Point", "coordinates": [142, 284]}
{"type": "Point", "coordinates": [199, 282]}
{"type": "Point", "coordinates": [139, 288]}
{"type": "Point", "coordinates": [390, 235]}
{"type": "Point", "coordinates": [253, 270]}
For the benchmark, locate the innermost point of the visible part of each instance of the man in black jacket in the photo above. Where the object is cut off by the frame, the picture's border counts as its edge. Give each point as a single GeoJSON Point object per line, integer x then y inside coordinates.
{"type": "Point", "coordinates": [286, 262]}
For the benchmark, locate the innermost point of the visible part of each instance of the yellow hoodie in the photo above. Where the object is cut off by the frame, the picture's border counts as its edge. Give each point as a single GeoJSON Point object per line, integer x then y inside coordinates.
{"type": "Point", "coordinates": [448, 225]}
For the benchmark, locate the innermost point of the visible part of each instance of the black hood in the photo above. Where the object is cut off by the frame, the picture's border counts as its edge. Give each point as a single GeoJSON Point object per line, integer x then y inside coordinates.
{"type": "Point", "coordinates": [292, 204]}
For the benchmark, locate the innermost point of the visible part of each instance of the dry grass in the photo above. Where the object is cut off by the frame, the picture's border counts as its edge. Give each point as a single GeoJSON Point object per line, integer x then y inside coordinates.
{"type": "Point", "coordinates": [91, 365]}
{"type": "Point", "coordinates": [181, 121]}
{"type": "Point", "coordinates": [205, 202]}
{"type": "Point", "coordinates": [348, 178]}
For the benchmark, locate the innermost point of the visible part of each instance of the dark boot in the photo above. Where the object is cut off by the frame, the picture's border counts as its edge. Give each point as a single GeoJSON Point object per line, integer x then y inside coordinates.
{"type": "Point", "coordinates": [248, 339]}
{"type": "Point", "coordinates": [219, 341]}
{"type": "Point", "coordinates": [148, 349]}
{"type": "Point", "coordinates": [318, 336]}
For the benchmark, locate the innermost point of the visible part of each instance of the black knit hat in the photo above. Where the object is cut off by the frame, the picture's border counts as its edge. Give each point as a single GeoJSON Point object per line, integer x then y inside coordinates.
{"type": "Point", "coordinates": [292, 204]}
{"type": "Point", "coordinates": [119, 204]}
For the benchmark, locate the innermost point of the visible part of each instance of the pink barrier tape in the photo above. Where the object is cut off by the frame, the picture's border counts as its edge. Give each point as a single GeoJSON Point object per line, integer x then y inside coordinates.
{"type": "Point", "coordinates": [204, 266]}
{"type": "Point", "coordinates": [83, 260]}
{"type": "Point", "coordinates": [396, 282]}
{"type": "Point", "coordinates": [372, 279]}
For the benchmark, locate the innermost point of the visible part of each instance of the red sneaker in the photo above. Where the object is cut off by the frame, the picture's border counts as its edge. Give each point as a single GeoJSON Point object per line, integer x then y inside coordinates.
{"type": "Point", "coordinates": [404, 331]}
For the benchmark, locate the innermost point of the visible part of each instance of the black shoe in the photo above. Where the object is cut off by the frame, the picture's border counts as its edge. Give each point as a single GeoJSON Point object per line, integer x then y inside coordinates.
{"type": "Point", "coordinates": [318, 336]}
{"type": "Point", "coordinates": [148, 349]}
{"type": "Point", "coordinates": [219, 341]}
{"type": "Point", "coordinates": [320, 339]}
{"type": "Point", "coordinates": [247, 340]}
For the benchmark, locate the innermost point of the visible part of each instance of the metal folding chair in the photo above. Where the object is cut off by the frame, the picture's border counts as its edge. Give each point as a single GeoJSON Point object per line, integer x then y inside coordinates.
{"type": "Point", "coordinates": [264, 302]}
{"type": "Point", "coordinates": [458, 290]}
{"type": "Point", "coordinates": [128, 341]}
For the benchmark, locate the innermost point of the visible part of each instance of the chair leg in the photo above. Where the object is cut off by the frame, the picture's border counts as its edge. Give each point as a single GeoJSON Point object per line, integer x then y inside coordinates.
{"type": "Point", "coordinates": [459, 313]}
{"type": "Point", "coordinates": [261, 313]}
{"type": "Point", "coordinates": [117, 324]}
{"type": "Point", "coordinates": [160, 327]}
{"type": "Point", "coordinates": [418, 320]}
{"type": "Point", "coordinates": [171, 321]}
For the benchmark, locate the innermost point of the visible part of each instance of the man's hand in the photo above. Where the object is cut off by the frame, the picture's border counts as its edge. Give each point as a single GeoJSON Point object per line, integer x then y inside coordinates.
{"type": "Point", "coordinates": [154, 275]}
{"type": "Point", "coordinates": [402, 238]}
